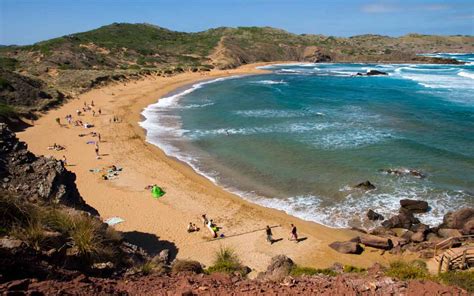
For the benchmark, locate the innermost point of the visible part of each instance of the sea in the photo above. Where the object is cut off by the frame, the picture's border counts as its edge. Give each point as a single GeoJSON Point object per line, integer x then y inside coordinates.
{"type": "Point", "coordinates": [301, 137]}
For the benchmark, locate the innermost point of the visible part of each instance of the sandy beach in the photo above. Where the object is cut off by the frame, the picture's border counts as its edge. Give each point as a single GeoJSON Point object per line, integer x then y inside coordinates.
{"type": "Point", "coordinates": [188, 195]}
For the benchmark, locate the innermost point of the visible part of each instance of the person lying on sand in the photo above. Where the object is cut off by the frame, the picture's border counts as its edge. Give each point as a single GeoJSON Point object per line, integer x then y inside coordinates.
{"type": "Point", "coordinates": [56, 147]}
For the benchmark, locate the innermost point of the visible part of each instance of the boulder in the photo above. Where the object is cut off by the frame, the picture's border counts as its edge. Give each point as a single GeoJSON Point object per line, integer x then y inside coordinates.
{"type": "Point", "coordinates": [418, 237]}
{"type": "Point", "coordinates": [280, 266]}
{"type": "Point", "coordinates": [468, 227]}
{"type": "Point", "coordinates": [404, 219]}
{"type": "Point", "coordinates": [347, 247]}
{"type": "Point", "coordinates": [415, 206]}
{"type": "Point", "coordinates": [365, 185]}
{"type": "Point", "coordinates": [458, 219]}
{"type": "Point", "coordinates": [420, 228]}
{"type": "Point", "coordinates": [376, 241]}
{"type": "Point", "coordinates": [447, 233]}
{"type": "Point", "coordinates": [372, 215]}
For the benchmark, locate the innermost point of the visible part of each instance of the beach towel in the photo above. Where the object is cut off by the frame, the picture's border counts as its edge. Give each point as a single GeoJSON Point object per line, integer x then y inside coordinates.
{"type": "Point", "coordinates": [157, 192]}
{"type": "Point", "coordinates": [114, 220]}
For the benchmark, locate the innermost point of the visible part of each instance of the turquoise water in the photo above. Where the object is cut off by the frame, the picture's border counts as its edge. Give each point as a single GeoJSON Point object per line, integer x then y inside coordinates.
{"type": "Point", "coordinates": [299, 138]}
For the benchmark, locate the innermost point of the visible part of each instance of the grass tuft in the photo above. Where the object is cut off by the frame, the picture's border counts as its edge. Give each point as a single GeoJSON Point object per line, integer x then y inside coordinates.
{"type": "Point", "coordinates": [226, 261]}
{"type": "Point", "coordinates": [300, 270]}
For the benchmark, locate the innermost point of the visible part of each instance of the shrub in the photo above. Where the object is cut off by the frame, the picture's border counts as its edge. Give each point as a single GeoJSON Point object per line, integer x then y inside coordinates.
{"type": "Point", "coordinates": [407, 270]}
{"type": "Point", "coordinates": [299, 271]}
{"type": "Point", "coordinates": [350, 268]}
{"type": "Point", "coordinates": [33, 234]}
{"type": "Point", "coordinates": [226, 261]}
{"type": "Point", "coordinates": [13, 212]}
{"type": "Point", "coordinates": [463, 279]}
{"type": "Point", "coordinates": [186, 266]}
{"type": "Point", "coordinates": [6, 110]}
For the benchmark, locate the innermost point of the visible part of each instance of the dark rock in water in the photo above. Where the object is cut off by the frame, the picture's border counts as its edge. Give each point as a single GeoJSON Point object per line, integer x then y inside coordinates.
{"type": "Point", "coordinates": [365, 185]}
{"type": "Point", "coordinates": [347, 247]}
{"type": "Point", "coordinates": [374, 216]}
{"type": "Point", "coordinates": [405, 172]}
{"type": "Point", "coordinates": [415, 206]}
{"type": "Point", "coordinates": [375, 72]}
{"type": "Point", "coordinates": [459, 219]}
{"type": "Point", "coordinates": [376, 241]}
{"type": "Point", "coordinates": [404, 219]}
{"type": "Point", "coordinates": [372, 73]}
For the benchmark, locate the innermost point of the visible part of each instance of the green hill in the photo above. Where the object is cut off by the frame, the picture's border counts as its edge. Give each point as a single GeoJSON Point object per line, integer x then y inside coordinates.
{"type": "Point", "coordinates": [77, 62]}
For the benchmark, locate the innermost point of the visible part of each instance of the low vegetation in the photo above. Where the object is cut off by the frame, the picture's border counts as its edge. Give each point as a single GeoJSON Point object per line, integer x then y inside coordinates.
{"type": "Point", "coordinates": [226, 261]}
{"type": "Point", "coordinates": [186, 266]}
{"type": "Point", "coordinates": [403, 270]}
{"type": "Point", "coordinates": [299, 271]}
{"type": "Point", "coordinates": [48, 227]}
{"type": "Point", "coordinates": [463, 279]}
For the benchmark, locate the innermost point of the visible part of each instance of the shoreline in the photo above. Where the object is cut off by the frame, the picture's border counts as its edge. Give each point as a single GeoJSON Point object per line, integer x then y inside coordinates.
{"type": "Point", "coordinates": [189, 194]}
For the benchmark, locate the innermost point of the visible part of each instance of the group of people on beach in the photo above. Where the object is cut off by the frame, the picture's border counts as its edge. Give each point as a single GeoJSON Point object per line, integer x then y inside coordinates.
{"type": "Point", "coordinates": [293, 234]}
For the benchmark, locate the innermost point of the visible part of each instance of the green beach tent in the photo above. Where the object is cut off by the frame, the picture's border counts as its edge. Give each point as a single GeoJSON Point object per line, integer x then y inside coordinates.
{"type": "Point", "coordinates": [157, 192]}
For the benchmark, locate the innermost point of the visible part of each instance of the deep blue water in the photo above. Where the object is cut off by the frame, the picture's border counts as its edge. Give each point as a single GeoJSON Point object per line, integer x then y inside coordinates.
{"type": "Point", "coordinates": [299, 138]}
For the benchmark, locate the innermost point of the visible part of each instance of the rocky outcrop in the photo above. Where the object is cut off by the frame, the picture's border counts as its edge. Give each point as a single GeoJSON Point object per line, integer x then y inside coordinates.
{"type": "Point", "coordinates": [375, 283]}
{"type": "Point", "coordinates": [405, 219]}
{"type": "Point", "coordinates": [280, 266]}
{"type": "Point", "coordinates": [347, 247]}
{"type": "Point", "coordinates": [373, 216]}
{"type": "Point", "coordinates": [37, 179]}
{"type": "Point", "coordinates": [366, 185]}
{"type": "Point", "coordinates": [415, 206]}
{"type": "Point", "coordinates": [462, 219]}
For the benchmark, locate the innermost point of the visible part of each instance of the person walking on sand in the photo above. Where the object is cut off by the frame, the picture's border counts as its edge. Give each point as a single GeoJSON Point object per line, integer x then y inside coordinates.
{"type": "Point", "coordinates": [58, 121]}
{"type": "Point", "coordinates": [269, 235]}
{"type": "Point", "coordinates": [100, 111]}
{"type": "Point", "coordinates": [97, 150]}
{"type": "Point", "coordinates": [293, 233]}
{"type": "Point", "coordinates": [64, 160]}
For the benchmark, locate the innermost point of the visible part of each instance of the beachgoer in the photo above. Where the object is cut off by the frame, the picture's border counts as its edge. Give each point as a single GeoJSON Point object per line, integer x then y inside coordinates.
{"type": "Point", "coordinates": [98, 135]}
{"type": "Point", "coordinates": [100, 111]}
{"type": "Point", "coordinates": [93, 113]}
{"type": "Point", "coordinates": [195, 227]}
{"type": "Point", "coordinates": [97, 150]}
{"type": "Point", "coordinates": [294, 234]}
{"type": "Point", "coordinates": [190, 227]}
{"type": "Point", "coordinates": [58, 120]}
{"type": "Point", "coordinates": [64, 160]}
{"type": "Point", "coordinates": [204, 219]}
{"type": "Point", "coordinates": [269, 234]}
{"type": "Point", "coordinates": [92, 103]}
{"type": "Point", "coordinates": [85, 103]}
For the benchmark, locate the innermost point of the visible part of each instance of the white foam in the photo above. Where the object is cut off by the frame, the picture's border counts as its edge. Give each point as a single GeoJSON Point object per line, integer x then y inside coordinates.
{"type": "Point", "coordinates": [466, 74]}
{"type": "Point", "coordinates": [270, 82]}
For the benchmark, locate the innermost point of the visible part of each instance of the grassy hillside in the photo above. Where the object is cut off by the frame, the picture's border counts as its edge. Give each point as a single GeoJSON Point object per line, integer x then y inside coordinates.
{"type": "Point", "coordinates": [76, 62]}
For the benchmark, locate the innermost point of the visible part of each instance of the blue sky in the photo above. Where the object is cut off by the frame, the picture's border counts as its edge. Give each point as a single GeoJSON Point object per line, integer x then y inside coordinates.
{"type": "Point", "coordinates": [29, 21]}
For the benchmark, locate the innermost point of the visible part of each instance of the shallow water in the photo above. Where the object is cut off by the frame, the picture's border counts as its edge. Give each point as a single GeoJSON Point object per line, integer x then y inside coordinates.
{"type": "Point", "coordinates": [298, 138]}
